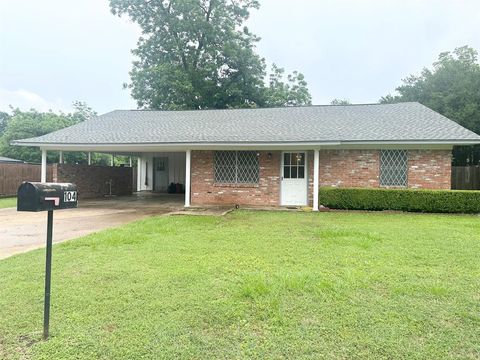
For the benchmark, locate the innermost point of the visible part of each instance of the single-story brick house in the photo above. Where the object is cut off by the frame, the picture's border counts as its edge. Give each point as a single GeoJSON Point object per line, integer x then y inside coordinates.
{"type": "Point", "coordinates": [273, 156]}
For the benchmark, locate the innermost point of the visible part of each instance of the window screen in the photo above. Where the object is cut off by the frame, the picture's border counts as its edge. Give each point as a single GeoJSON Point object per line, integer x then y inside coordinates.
{"type": "Point", "coordinates": [294, 165]}
{"type": "Point", "coordinates": [393, 168]}
{"type": "Point", "coordinates": [236, 167]}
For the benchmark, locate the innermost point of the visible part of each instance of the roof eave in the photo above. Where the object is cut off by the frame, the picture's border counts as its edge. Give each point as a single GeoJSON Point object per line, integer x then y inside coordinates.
{"type": "Point", "coordinates": [186, 145]}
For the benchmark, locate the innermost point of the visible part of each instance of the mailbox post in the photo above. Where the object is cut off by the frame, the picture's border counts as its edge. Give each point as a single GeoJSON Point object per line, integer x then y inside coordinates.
{"type": "Point", "coordinates": [34, 196]}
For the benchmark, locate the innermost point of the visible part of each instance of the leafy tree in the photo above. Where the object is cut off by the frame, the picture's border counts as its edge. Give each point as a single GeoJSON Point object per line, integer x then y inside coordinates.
{"type": "Point", "coordinates": [292, 92]}
{"type": "Point", "coordinates": [340, 102]}
{"type": "Point", "coordinates": [3, 121]}
{"type": "Point", "coordinates": [27, 124]}
{"type": "Point", "coordinates": [81, 112]}
{"type": "Point", "coordinates": [197, 54]}
{"type": "Point", "coordinates": [452, 88]}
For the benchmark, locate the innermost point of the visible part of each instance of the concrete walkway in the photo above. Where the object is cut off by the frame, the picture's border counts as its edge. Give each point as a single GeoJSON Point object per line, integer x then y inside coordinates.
{"type": "Point", "coordinates": [23, 231]}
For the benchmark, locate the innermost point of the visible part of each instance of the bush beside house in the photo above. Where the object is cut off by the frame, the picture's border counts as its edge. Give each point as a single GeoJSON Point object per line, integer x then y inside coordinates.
{"type": "Point", "coordinates": [433, 201]}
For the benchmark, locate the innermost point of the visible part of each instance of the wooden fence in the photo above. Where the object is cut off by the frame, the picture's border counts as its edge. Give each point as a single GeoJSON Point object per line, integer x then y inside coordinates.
{"type": "Point", "coordinates": [12, 175]}
{"type": "Point", "coordinates": [466, 177]}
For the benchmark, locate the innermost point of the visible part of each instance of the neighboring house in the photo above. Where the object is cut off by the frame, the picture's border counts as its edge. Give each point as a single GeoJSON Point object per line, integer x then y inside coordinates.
{"type": "Point", "coordinates": [6, 160]}
{"type": "Point", "coordinates": [273, 156]}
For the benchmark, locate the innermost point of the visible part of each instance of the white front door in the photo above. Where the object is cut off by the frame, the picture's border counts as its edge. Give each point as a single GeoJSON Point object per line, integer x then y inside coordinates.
{"type": "Point", "coordinates": [294, 178]}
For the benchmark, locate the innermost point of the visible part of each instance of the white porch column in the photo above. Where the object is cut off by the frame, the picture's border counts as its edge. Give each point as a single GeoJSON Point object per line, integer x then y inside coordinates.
{"type": "Point", "coordinates": [43, 177]}
{"type": "Point", "coordinates": [89, 158]}
{"type": "Point", "coordinates": [188, 161]}
{"type": "Point", "coordinates": [130, 161]}
{"type": "Point", "coordinates": [112, 160]}
{"type": "Point", "coordinates": [316, 164]}
{"type": "Point", "coordinates": [139, 173]}
{"type": "Point", "coordinates": [60, 157]}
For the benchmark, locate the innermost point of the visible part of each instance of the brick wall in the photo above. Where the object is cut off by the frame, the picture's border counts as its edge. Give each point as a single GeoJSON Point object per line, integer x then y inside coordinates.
{"type": "Point", "coordinates": [92, 180]}
{"type": "Point", "coordinates": [205, 191]}
{"type": "Point", "coordinates": [429, 169]}
{"type": "Point", "coordinates": [349, 168]}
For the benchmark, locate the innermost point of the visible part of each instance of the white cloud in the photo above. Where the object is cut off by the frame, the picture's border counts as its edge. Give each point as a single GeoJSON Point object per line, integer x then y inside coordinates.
{"type": "Point", "coordinates": [26, 100]}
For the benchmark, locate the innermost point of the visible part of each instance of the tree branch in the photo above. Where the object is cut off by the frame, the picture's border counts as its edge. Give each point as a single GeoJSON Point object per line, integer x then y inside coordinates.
{"type": "Point", "coordinates": [202, 37]}
{"type": "Point", "coordinates": [167, 13]}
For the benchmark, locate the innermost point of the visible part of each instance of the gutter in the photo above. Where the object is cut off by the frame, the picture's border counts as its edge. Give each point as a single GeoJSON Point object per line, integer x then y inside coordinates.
{"type": "Point", "coordinates": [246, 144]}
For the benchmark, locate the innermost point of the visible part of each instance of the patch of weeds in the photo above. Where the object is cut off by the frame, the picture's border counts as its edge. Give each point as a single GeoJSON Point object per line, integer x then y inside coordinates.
{"type": "Point", "coordinates": [335, 237]}
{"type": "Point", "coordinates": [255, 286]}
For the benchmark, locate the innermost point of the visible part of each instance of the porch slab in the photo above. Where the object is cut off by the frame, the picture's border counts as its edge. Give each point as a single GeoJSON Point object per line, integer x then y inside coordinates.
{"type": "Point", "coordinates": [205, 210]}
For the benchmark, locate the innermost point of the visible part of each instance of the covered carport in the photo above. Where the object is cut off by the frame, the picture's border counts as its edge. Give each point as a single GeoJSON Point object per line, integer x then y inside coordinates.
{"type": "Point", "coordinates": [162, 172]}
{"type": "Point", "coordinates": [141, 135]}
{"type": "Point", "coordinates": [157, 171]}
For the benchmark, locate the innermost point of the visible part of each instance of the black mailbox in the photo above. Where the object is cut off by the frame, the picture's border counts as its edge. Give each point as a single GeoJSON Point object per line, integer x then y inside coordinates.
{"type": "Point", "coordinates": [37, 196]}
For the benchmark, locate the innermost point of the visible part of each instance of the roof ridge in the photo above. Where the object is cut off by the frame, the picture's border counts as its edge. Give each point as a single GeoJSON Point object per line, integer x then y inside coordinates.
{"type": "Point", "coordinates": [274, 107]}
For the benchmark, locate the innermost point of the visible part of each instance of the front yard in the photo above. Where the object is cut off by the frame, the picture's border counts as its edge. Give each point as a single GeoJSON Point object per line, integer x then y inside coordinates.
{"type": "Point", "coordinates": [8, 202]}
{"type": "Point", "coordinates": [264, 285]}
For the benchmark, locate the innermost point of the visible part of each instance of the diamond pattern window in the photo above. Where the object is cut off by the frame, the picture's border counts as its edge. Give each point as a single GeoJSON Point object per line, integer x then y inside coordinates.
{"type": "Point", "coordinates": [393, 168]}
{"type": "Point", "coordinates": [236, 167]}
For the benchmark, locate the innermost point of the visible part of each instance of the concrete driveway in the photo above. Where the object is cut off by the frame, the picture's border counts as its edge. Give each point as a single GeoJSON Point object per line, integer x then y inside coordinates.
{"type": "Point", "coordinates": [23, 231]}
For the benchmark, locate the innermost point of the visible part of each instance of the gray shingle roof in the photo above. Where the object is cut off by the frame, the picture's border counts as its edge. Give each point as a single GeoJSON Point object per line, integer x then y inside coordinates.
{"type": "Point", "coordinates": [348, 123]}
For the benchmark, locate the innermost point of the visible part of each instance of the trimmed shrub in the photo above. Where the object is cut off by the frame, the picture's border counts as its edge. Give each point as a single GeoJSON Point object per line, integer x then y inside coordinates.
{"type": "Point", "coordinates": [433, 201]}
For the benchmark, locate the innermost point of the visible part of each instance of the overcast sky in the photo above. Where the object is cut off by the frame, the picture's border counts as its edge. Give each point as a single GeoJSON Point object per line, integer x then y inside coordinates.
{"type": "Point", "coordinates": [53, 52]}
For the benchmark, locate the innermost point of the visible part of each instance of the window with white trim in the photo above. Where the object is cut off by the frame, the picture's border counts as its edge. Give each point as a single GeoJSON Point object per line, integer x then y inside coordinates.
{"type": "Point", "coordinates": [236, 167]}
{"type": "Point", "coordinates": [394, 168]}
{"type": "Point", "coordinates": [294, 165]}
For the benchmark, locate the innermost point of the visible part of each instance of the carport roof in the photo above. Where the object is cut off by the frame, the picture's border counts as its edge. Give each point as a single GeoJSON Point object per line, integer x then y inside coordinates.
{"type": "Point", "coordinates": [372, 123]}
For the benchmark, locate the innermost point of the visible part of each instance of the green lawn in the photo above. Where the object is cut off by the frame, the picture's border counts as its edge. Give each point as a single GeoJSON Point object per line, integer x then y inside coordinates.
{"type": "Point", "coordinates": [8, 202]}
{"type": "Point", "coordinates": [265, 285]}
